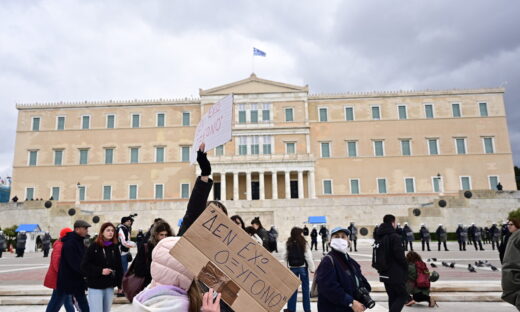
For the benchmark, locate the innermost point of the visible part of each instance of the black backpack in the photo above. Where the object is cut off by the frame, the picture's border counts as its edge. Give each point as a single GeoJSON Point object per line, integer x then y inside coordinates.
{"type": "Point", "coordinates": [295, 256]}
{"type": "Point", "coordinates": [380, 254]}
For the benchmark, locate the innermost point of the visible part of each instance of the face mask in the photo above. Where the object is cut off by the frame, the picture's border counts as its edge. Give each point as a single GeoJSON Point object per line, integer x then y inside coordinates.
{"type": "Point", "coordinates": [339, 244]}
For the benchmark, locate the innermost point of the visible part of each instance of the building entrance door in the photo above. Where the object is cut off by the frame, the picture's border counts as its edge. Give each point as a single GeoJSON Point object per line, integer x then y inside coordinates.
{"type": "Point", "coordinates": [255, 190]}
{"type": "Point", "coordinates": [294, 189]}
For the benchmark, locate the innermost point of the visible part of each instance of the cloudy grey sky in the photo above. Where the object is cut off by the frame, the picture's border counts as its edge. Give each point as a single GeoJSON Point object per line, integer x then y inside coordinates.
{"type": "Point", "coordinates": [100, 50]}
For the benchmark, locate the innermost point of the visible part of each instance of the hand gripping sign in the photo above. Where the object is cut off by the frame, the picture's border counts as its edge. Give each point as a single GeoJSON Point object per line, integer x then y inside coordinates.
{"type": "Point", "coordinates": [214, 128]}
{"type": "Point", "coordinates": [227, 259]}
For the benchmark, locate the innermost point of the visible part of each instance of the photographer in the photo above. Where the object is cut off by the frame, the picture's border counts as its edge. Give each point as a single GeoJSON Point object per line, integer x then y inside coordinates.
{"type": "Point", "coordinates": [102, 267]}
{"type": "Point", "coordinates": [341, 285]}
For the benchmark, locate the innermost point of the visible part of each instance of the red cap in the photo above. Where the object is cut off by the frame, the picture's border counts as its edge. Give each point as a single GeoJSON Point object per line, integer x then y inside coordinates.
{"type": "Point", "coordinates": [64, 232]}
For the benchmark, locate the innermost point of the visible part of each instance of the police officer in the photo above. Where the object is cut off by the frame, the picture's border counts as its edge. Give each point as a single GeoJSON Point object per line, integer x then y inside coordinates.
{"type": "Point", "coordinates": [21, 240]}
{"type": "Point", "coordinates": [314, 238]}
{"type": "Point", "coordinates": [462, 236]}
{"type": "Point", "coordinates": [353, 236]}
{"type": "Point", "coordinates": [425, 237]}
{"type": "Point", "coordinates": [477, 236]}
{"type": "Point", "coordinates": [2, 242]}
{"type": "Point", "coordinates": [46, 244]}
{"type": "Point", "coordinates": [494, 232]}
{"type": "Point", "coordinates": [442, 237]}
{"type": "Point", "coordinates": [408, 236]}
{"type": "Point", "coordinates": [305, 230]}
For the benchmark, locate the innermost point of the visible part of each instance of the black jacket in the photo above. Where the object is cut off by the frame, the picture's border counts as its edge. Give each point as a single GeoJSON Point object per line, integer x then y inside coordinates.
{"type": "Point", "coordinates": [425, 234]}
{"type": "Point", "coordinates": [264, 235]}
{"type": "Point", "coordinates": [196, 204]}
{"type": "Point", "coordinates": [21, 240]}
{"type": "Point", "coordinates": [46, 241]}
{"type": "Point", "coordinates": [70, 277]}
{"type": "Point", "coordinates": [314, 235]}
{"type": "Point", "coordinates": [397, 266]}
{"type": "Point", "coordinates": [98, 258]}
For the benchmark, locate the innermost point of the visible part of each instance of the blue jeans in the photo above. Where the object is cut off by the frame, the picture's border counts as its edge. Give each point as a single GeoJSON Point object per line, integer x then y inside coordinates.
{"type": "Point", "coordinates": [100, 300]}
{"type": "Point", "coordinates": [58, 299]}
{"type": "Point", "coordinates": [303, 274]}
{"type": "Point", "coordinates": [124, 263]}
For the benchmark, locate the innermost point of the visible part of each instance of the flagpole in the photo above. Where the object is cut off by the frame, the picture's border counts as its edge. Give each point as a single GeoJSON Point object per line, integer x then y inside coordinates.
{"type": "Point", "coordinates": [253, 63]}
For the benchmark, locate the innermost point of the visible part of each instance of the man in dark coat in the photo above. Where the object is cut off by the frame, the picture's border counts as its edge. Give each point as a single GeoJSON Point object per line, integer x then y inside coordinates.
{"type": "Point", "coordinates": [46, 244]}
{"type": "Point", "coordinates": [314, 238]}
{"type": "Point", "coordinates": [70, 277]}
{"type": "Point", "coordinates": [21, 240]}
{"type": "Point", "coordinates": [503, 242]}
{"type": "Point", "coordinates": [395, 276]}
{"type": "Point", "coordinates": [408, 236]}
{"type": "Point", "coordinates": [494, 233]}
{"type": "Point", "coordinates": [353, 236]}
{"type": "Point", "coordinates": [305, 230]}
{"type": "Point", "coordinates": [3, 242]}
{"type": "Point", "coordinates": [324, 233]}
{"type": "Point", "coordinates": [477, 236]}
{"type": "Point", "coordinates": [442, 237]}
{"type": "Point", "coordinates": [425, 237]}
{"type": "Point", "coordinates": [462, 236]}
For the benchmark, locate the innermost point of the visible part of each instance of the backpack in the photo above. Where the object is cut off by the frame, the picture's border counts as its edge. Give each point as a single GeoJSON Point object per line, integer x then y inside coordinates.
{"type": "Point", "coordinates": [423, 275]}
{"type": "Point", "coordinates": [380, 254]}
{"type": "Point", "coordinates": [295, 256]}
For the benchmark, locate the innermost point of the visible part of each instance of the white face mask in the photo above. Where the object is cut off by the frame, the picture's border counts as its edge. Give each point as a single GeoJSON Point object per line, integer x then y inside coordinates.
{"type": "Point", "coordinates": [339, 244]}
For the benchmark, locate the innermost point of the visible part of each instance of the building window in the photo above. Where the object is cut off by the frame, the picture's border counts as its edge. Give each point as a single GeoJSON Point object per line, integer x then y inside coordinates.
{"type": "Point", "coordinates": [433, 146]}
{"type": "Point", "coordinates": [185, 153]}
{"type": "Point", "coordinates": [352, 148]}
{"type": "Point", "coordinates": [290, 148]}
{"type": "Point", "coordinates": [186, 119]}
{"type": "Point", "coordinates": [460, 145]}
{"type": "Point", "coordinates": [29, 193]}
{"type": "Point", "coordinates": [242, 145]}
{"type": "Point", "coordinates": [33, 158]}
{"type": "Point", "coordinates": [255, 145]}
{"type": "Point", "coordinates": [489, 146]}
{"type": "Point", "coordinates": [323, 114]}
{"type": "Point", "coordinates": [289, 114]}
{"type": "Point", "coordinates": [134, 155]}
{"type": "Point", "coordinates": [185, 190]}
{"type": "Point", "coordinates": [381, 186]}
{"type": "Point", "coordinates": [325, 149]}
{"type": "Point", "coordinates": [58, 157]}
{"type": "Point", "coordinates": [85, 122]}
{"type": "Point", "coordinates": [82, 190]}
{"type": "Point", "coordinates": [241, 114]}
{"type": "Point", "coordinates": [349, 113]}
{"type": "Point", "coordinates": [376, 113]}
{"type": "Point", "coordinates": [483, 109]}
{"type": "Point", "coordinates": [354, 186]}
{"type": "Point", "coordinates": [160, 120]}
{"type": "Point", "coordinates": [136, 120]}
{"type": "Point", "coordinates": [132, 191]}
{"type": "Point", "coordinates": [455, 110]}
{"type": "Point", "coordinates": [111, 121]}
{"type": "Point", "coordinates": [266, 112]}
{"type": "Point", "coordinates": [409, 184]}
{"type": "Point", "coordinates": [109, 156]}
{"type": "Point", "coordinates": [253, 114]}
{"type": "Point", "coordinates": [35, 124]}
{"type": "Point", "coordinates": [83, 156]}
{"type": "Point", "coordinates": [493, 182]}
{"type": "Point", "coordinates": [428, 111]}
{"type": "Point", "coordinates": [402, 112]}
{"type": "Point", "coordinates": [219, 151]}
{"type": "Point", "coordinates": [465, 183]}
{"type": "Point", "coordinates": [55, 193]}
{"type": "Point", "coordinates": [436, 182]}
{"type": "Point", "coordinates": [60, 123]}
{"type": "Point", "coordinates": [406, 149]}
{"type": "Point", "coordinates": [267, 145]}
{"type": "Point", "coordinates": [159, 154]}
{"type": "Point", "coordinates": [107, 192]}
{"type": "Point", "coordinates": [327, 187]}
{"type": "Point", "coordinates": [379, 149]}
{"type": "Point", "coordinates": [159, 191]}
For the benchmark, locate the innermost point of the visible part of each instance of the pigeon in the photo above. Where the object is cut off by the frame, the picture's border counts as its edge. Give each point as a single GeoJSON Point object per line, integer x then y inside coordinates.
{"type": "Point", "coordinates": [434, 259]}
{"type": "Point", "coordinates": [494, 268]}
{"type": "Point", "coordinates": [445, 264]}
{"type": "Point", "coordinates": [452, 265]}
{"type": "Point", "coordinates": [471, 268]}
{"type": "Point", "coordinates": [479, 263]}
{"type": "Point", "coordinates": [433, 265]}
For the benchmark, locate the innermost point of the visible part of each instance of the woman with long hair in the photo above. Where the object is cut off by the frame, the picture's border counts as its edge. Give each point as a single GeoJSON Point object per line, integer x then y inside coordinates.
{"type": "Point", "coordinates": [300, 262]}
{"type": "Point", "coordinates": [238, 221]}
{"type": "Point", "coordinates": [102, 267]}
{"type": "Point", "coordinates": [418, 292]}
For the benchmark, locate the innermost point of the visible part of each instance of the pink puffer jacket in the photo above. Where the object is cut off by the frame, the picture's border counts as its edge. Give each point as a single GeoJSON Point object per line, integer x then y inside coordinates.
{"type": "Point", "coordinates": [165, 269]}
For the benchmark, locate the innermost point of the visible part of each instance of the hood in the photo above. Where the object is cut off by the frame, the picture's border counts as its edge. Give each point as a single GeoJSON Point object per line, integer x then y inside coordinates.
{"type": "Point", "coordinates": [71, 236]}
{"type": "Point", "coordinates": [161, 299]}
{"type": "Point", "coordinates": [385, 229]}
{"type": "Point", "coordinates": [165, 269]}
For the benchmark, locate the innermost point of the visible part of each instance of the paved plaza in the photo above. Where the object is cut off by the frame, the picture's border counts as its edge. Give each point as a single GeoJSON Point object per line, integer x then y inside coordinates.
{"type": "Point", "coordinates": [20, 276]}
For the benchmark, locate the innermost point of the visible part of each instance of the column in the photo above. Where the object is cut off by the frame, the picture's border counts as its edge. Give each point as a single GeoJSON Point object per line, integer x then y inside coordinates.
{"type": "Point", "coordinates": [300, 184]}
{"type": "Point", "coordinates": [223, 186]}
{"type": "Point", "coordinates": [235, 186]}
{"type": "Point", "coordinates": [287, 184]}
{"type": "Point", "coordinates": [248, 186]}
{"type": "Point", "coordinates": [275, 184]}
{"type": "Point", "coordinates": [211, 193]}
{"type": "Point", "coordinates": [261, 182]}
{"type": "Point", "coordinates": [312, 190]}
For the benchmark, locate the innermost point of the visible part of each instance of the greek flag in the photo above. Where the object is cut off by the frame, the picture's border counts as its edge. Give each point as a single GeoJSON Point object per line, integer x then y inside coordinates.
{"type": "Point", "coordinates": [258, 52]}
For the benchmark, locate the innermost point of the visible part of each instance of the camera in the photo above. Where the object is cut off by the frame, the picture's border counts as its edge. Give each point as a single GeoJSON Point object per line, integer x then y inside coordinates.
{"type": "Point", "coordinates": [362, 295]}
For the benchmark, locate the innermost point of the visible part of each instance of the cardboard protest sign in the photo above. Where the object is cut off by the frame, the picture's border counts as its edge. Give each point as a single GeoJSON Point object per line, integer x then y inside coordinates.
{"type": "Point", "coordinates": [226, 258]}
{"type": "Point", "coordinates": [214, 128]}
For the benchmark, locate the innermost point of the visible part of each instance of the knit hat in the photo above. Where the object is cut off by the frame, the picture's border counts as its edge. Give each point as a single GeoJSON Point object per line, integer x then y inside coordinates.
{"type": "Point", "coordinates": [64, 232]}
{"type": "Point", "coordinates": [165, 269]}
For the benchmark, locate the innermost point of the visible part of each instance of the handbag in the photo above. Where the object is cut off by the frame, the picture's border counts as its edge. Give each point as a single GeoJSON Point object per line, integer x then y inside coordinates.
{"type": "Point", "coordinates": [133, 284]}
{"type": "Point", "coordinates": [314, 286]}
